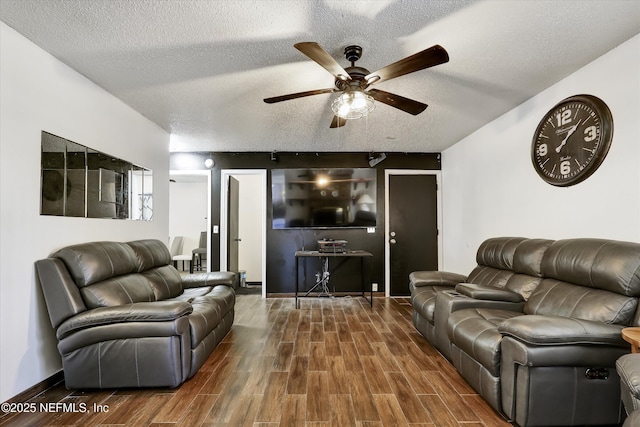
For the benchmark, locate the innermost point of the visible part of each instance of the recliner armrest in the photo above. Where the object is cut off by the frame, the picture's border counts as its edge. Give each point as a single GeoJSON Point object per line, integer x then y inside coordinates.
{"type": "Point", "coordinates": [481, 292]}
{"type": "Point", "coordinates": [435, 278]}
{"type": "Point", "coordinates": [554, 330]}
{"type": "Point", "coordinates": [213, 278]}
{"type": "Point", "coordinates": [158, 311]}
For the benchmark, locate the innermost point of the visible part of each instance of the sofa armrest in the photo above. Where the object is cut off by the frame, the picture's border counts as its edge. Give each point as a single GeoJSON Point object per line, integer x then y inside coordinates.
{"type": "Point", "coordinates": [555, 330]}
{"type": "Point", "coordinates": [158, 311]}
{"type": "Point", "coordinates": [481, 292]}
{"type": "Point", "coordinates": [213, 278]}
{"type": "Point", "coordinates": [435, 278]}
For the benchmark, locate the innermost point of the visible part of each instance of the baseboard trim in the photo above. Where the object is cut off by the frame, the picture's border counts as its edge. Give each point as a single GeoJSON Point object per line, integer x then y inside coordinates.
{"type": "Point", "coordinates": [37, 389]}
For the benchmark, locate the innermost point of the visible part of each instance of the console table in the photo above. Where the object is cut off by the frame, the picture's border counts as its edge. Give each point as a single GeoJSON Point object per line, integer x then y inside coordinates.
{"type": "Point", "coordinates": [322, 277]}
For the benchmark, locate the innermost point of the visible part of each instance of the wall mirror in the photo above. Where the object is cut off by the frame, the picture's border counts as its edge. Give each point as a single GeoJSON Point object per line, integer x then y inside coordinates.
{"type": "Point", "coordinates": [81, 182]}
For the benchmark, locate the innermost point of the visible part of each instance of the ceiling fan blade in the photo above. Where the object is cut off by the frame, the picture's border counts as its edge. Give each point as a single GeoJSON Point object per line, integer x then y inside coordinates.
{"type": "Point", "coordinates": [297, 95]}
{"type": "Point", "coordinates": [435, 55]}
{"type": "Point", "coordinates": [400, 102]}
{"type": "Point", "coordinates": [338, 122]}
{"type": "Point", "coordinates": [314, 51]}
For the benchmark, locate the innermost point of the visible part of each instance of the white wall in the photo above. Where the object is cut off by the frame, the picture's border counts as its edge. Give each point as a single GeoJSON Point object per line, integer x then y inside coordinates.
{"type": "Point", "coordinates": [38, 92]}
{"type": "Point", "coordinates": [491, 189]}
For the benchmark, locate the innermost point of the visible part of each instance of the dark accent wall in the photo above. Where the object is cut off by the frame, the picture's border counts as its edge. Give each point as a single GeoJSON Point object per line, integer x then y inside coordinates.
{"type": "Point", "coordinates": [282, 244]}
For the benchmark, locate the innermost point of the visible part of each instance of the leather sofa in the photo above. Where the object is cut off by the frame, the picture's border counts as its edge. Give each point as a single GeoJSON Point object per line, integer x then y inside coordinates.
{"type": "Point", "coordinates": [628, 368]}
{"type": "Point", "coordinates": [538, 335]}
{"type": "Point", "coordinates": [507, 272]}
{"type": "Point", "coordinates": [125, 317]}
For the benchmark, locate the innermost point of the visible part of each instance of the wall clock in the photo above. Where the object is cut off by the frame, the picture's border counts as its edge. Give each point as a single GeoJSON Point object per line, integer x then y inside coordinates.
{"type": "Point", "coordinates": [572, 140]}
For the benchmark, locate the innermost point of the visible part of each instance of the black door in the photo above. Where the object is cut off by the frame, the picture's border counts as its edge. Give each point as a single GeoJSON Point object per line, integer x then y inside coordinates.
{"type": "Point", "coordinates": [413, 228]}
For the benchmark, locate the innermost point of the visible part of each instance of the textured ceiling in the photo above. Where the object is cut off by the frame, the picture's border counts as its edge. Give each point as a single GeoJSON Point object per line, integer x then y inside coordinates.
{"type": "Point", "coordinates": [200, 69]}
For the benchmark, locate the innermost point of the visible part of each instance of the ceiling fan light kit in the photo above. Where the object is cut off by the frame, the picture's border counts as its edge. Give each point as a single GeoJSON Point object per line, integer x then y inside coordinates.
{"type": "Point", "coordinates": [357, 98]}
{"type": "Point", "coordinates": [352, 105]}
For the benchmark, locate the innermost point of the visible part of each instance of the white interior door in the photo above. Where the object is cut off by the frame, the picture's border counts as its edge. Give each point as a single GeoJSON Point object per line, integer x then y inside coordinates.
{"type": "Point", "coordinates": [251, 238]}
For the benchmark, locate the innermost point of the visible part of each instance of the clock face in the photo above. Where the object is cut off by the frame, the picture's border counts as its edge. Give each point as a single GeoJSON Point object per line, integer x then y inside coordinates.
{"type": "Point", "coordinates": [572, 140]}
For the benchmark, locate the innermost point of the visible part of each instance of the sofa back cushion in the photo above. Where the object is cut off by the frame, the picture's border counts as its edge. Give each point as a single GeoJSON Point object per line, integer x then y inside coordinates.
{"type": "Point", "coordinates": [596, 263]}
{"type": "Point", "coordinates": [118, 290]}
{"type": "Point", "coordinates": [495, 261]}
{"type": "Point", "coordinates": [498, 252]}
{"type": "Point", "coordinates": [590, 279]}
{"type": "Point", "coordinates": [92, 262]}
{"type": "Point", "coordinates": [154, 263]}
{"type": "Point", "coordinates": [106, 273]}
{"type": "Point", "coordinates": [150, 253]}
{"type": "Point", "coordinates": [555, 298]}
{"type": "Point", "coordinates": [527, 266]}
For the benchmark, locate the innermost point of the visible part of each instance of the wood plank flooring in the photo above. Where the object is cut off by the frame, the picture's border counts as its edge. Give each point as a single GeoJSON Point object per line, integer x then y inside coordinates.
{"type": "Point", "coordinates": [333, 362]}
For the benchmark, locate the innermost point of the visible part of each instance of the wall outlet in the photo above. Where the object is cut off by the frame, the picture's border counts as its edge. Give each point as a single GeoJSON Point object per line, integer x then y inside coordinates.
{"type": "Point", "coordinates": [371, 229]}
{"type": "Point", "coordinates": [374, 287]}
{"type": "Point", "coordinates": [216, 230]}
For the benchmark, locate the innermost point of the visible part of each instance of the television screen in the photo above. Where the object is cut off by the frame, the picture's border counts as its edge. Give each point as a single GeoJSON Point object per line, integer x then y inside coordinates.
{"type": "Point", "coordinates": [324, 198]}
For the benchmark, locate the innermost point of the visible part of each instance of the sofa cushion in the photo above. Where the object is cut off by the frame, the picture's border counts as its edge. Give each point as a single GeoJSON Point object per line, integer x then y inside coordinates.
{"type": "Point", "coordinates": [556, 298]}
{"type": "Point", "coordinates": [475, 331]}
{"type": "Point", "coordinates": [165, 281]}
{"type": "Point", "coordinates": [595, 263]}
{"type": "Point", "coordinates": [527, 258]}
{"type": "Point", "coordinates": [92, 262]}
{"type": "Point", "coordinates": [150, 253]}
{"type": "Point", "coordinates": [498, 252]}
{"type": "Point", "coordinates": [118, 290]}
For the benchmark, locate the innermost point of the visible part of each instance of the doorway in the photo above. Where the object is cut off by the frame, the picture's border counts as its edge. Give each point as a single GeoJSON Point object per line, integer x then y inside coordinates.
{"type": "Point", "coordinates": [190, 207]}
{"type": "Point", "coordinates": [243, 218]}
{"type": "Point", "coordinates": [411, 197]}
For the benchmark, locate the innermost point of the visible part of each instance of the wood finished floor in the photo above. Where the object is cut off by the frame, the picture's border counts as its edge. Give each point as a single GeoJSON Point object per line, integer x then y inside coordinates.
{"type": "Point", "coordinates": [333, 362]}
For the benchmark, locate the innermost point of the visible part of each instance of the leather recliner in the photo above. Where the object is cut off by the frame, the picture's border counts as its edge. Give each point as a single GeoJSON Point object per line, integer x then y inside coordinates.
{"type": "Point", "coordinates": [628, 368]}
{"type": "Point", "coordinates": [507, 272]}
{"type": "Point", "coordinates": [124, 316]}
{"type": "Point", "coordinates": [550, 360]}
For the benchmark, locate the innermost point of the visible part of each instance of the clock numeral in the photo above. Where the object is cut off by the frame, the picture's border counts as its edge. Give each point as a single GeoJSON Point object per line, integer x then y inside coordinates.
{"type": "Point", "coordinates": [542, 150]}
{"type": "Point", "coordinates": [590, 133]}
{"type": "Point", "coordinates": [564, 117]}
{"type": "Point", "coordinates": [565, 167]}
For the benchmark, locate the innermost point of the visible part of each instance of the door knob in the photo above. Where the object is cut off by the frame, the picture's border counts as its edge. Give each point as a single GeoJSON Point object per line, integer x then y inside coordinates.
{"type": "Point", "coordinates": [392, 241]}
{"type": "Point", "coordinates": [238, 240]}
{"type": "Point", "coordinates": [392, 234]}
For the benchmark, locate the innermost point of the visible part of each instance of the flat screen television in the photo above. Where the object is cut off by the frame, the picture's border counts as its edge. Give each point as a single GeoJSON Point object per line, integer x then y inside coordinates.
{"type": "Point", "coordinates": [323, 198]}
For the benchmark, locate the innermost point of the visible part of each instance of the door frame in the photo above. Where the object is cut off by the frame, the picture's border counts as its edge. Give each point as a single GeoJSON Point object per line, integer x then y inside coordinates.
{"type": "Point", "coordinates": [207, 174]}
{"type": "Point", "coordinates": [387, 247]}
{"type": "Point", "coordinates": [224, 220]}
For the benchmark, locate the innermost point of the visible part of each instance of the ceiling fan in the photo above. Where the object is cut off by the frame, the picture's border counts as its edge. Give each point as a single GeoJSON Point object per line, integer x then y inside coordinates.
{"type": "Point", "coordinates": [355, 82]}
